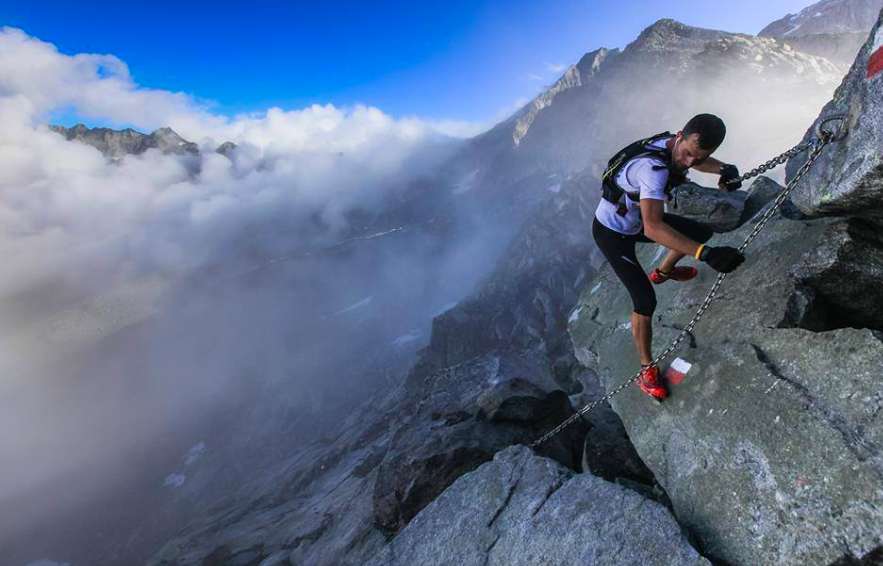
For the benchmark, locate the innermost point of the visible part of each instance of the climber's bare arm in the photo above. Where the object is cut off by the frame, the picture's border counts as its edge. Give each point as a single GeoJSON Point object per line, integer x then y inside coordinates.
{"type": "Point", "coordinates": [709, 165]}
{"type": "Point", "coordinates": [660, 232]}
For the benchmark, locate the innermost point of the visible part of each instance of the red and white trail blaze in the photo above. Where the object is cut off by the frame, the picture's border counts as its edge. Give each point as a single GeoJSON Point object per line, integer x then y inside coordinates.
{"type": "Point", "coordinates": [677, 371]}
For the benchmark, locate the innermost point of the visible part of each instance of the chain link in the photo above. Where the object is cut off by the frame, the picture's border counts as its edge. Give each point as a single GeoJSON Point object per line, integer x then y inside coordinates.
{"type": "Point", "coordinates": [816, 143]}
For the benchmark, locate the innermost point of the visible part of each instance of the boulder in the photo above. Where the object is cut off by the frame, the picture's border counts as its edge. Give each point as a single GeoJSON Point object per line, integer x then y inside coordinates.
{"type": "Point", "coordinates": [847, 178]}
{"type": "Point", "coordinates": [844, 275]}
{"type": "Point", "coordinates": [523, 509]}
{"type": "Point", "coordinates": [720, 210]}
{"type": "Point", "coordinates": [762, 191]}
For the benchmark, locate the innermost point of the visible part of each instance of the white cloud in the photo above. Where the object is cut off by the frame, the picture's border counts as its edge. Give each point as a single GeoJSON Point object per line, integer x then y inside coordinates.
{"type": "Point", "coordinates": [63, 207]}
{"type": "Point", "coordinates": [78, 234]}
{"type": "Point", "coordinates": [92, 248]}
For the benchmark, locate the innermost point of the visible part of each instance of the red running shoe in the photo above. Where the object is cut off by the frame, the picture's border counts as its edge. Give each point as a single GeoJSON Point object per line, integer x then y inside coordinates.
{"type": "Point", "coordinates": [678, 274]}
{"type": "Point", "coordinates": [651, 383]}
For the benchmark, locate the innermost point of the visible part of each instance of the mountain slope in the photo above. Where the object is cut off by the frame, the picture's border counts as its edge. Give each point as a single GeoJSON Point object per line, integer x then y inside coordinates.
{"type": "Point", "coordinates": [484, 378]}
{"type": "Point", "coordinates": [827, 17]}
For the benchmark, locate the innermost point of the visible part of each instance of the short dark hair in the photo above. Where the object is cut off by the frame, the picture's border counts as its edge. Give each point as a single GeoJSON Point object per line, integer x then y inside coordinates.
{"type": "Point", "coordinates": [710, 128]}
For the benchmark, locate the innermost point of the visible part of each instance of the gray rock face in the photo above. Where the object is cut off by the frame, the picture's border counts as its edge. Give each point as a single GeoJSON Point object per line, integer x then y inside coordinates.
{"type": "Point", "coordinates": [525, 302]}
{"type": "Point", "coordinates": [827, 17]}
{"type": "Point", "coordinates": [338, 501]}
{"type": "Point", "coordinates": [463, 417]}
{"type": "Point", "coordinates": [575, 75]}
{"type": "Point", "coordinates": [226, 148]}
{"type": "Point", "coordinates": [720, 210]}
{"type": "Point", "coordinates": [770, 447]}
{"type": "Point", "coordinates": [847, 179]}
{"type": "Point", "coordinates": [314, 507]}
{"type": "Point", "coordinates": [116, 144]}
{"type": "Point", "coordinates": [768, 58]}
{"type": "Point", "coordinates": [839, 48]}
{"type": "Point", "coordinates": [672, 37]}
{"type": "Point", "coordinates": [844, 273]}
{"type": "Point", "coordinates": [522, 509]}
{"type": "Point", "coordinates": [760, 193]}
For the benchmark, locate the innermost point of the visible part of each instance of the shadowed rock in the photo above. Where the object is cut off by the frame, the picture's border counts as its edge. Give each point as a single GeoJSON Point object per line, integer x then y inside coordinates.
{"type": "Point", "coordinates": [464, 416]}
{"type": "Point", "coordinates": [522, 509]}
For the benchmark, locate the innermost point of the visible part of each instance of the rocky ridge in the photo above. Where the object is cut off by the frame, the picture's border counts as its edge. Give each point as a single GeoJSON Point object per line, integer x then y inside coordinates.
{"type": "Point", "coordinates": [116, 144]}
{"type": "Point", "coordinates": [834, 29]}
{"type": "Point", "coordinates": [827, 17]}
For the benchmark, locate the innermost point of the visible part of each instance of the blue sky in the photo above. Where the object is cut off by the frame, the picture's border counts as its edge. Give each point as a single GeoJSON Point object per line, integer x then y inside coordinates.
{"type": "Point", "coordinates": [448, 60]}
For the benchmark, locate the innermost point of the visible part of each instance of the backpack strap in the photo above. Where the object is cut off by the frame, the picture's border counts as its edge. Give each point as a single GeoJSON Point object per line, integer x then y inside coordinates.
{"type": "Point", "coordinates": [612, 191]}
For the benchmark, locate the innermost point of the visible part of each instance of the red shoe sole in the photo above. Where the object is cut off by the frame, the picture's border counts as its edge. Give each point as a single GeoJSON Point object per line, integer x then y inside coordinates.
{"type": "Point", "coordinates": [677, 274]}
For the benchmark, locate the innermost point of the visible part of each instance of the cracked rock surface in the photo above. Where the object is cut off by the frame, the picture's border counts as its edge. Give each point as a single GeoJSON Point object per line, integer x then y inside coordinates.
{"type": "Point", "coordinates": [524, 509]}
{"type": "Point", "coordinates": [769, 448]}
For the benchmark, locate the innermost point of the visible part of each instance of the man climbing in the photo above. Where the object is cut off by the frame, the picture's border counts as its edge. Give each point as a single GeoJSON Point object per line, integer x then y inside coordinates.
{"type": "Point", "coordinates": [635, 185]}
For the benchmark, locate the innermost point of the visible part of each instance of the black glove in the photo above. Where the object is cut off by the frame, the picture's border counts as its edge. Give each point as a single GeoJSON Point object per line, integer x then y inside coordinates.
{"type": "Point", "coordinates": [724, 259]}
{"type": "Point", "coordinates": [728, 173]}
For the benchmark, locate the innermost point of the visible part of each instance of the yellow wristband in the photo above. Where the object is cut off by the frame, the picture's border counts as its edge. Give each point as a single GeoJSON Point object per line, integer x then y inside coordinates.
{"type": "Point", "coordinates": [699, 251]}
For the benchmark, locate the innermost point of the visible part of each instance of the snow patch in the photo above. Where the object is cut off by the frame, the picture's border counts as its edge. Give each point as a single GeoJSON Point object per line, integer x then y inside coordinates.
{"type": "Point", "coordinates": [574, 315]}
{"type": "Point", "coordinates": [364, 302]}
{"type": "Point", "coordinates": [878, 40]}
{"type": "Point", "coordinates": [194, 453]}
{"type": "Point", "coordinates": [405, 338]}
{"type": "Point", "coordinates": [445, 308]}
{"type": "Point", "coordinates": [792, 30]}
{"type": "Point", "coordinates": [595, 288]}
{"type": "Point", "coordinates": [175, 480]}
{"type": "Point", "coordinates": [466, 183]}
{"type": "Point", "coordinates": [554, 188]}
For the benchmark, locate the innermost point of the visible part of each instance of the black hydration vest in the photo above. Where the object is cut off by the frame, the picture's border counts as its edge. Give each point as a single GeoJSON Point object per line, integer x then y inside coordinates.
{"type": "Point", "coordinates": [611, 190]}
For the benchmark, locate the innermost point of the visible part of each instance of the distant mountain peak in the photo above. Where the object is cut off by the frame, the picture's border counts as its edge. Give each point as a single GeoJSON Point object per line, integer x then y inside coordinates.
{"type": "Point", "coordinates": [591, 62]}
{"type": "Point", "coordinates": [826, 17]}
{"type": "Point", "coordinates": [116, 144]}
{"type": "Point", "coordinates": [575, 76]}
{"type": "Point", "coordinates": [667, 35]}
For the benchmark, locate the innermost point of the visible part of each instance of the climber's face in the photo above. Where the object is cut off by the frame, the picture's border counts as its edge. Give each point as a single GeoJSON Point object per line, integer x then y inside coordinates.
{"type": "Point", "coordinates": [685, 151]}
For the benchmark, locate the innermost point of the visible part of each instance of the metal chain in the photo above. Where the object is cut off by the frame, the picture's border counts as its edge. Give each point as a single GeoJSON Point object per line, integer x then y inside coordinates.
{"type": "Point", "coordinates": [817, 143]}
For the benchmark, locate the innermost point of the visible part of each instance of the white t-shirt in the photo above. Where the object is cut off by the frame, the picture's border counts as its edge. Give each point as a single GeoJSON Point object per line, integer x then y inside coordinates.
{"type": "Point", "coordinates": [638, 176]}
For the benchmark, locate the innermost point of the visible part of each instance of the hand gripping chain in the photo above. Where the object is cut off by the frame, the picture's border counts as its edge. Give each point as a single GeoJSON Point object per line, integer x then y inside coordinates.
{"type": "Point", "coordinates": [822, 138]}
